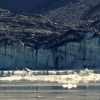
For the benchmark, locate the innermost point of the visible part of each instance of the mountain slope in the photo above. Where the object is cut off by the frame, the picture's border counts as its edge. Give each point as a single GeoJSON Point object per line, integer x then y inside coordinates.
{"type": "Point", "coordinates": [34, 30]}
{"type": "Point", "coordinates": [59, 10]}
{"type": "Point", "coordinates": [74, 13]}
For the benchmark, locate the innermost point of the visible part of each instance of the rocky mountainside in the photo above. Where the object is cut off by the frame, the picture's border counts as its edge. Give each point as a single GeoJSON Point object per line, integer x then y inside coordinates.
{"type": "Point", "coordinates": [35, 30]}
{"type": "Point", "coordinates": [73, 13]}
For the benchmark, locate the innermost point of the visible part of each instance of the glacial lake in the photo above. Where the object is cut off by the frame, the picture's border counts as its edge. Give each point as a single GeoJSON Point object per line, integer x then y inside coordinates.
{"type": "Point", "coordinates": [50, 85]}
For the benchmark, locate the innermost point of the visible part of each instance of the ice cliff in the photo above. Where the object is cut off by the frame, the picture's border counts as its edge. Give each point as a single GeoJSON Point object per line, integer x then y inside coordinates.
{"type": "Point", "coordinates": [85, 53]}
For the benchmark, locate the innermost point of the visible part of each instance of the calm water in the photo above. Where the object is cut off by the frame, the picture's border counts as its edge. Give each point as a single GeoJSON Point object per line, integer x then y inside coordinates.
{"type": "Point", "coordinates": [50, 85]}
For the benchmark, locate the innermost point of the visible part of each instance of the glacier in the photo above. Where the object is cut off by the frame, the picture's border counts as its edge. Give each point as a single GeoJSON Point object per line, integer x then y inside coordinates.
{"type": "Point", "coordinates": [71, 55]}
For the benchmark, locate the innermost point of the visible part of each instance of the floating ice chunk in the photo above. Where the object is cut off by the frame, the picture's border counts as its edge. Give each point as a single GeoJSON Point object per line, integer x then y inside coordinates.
{"type": "Point", "coordinates": [68, 81]}
{"type": "Point", "coordinates": [69, 86]}
{"type": "Point", "coordinates": [27, 71]}
{"type": "Point", "coordinates": [85, 72]}
{"type": "Point", "coordinates": [18, 73]}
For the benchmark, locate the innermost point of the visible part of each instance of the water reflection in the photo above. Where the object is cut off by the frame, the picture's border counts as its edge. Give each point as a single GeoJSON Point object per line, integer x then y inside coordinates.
{"type": "Point", "coordinates": [49, 87]}
{"type": "Point", "coordinates": [49, 93]}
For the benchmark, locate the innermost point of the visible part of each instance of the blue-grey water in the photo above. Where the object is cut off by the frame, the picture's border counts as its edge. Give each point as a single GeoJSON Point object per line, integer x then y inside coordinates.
{"type": "Point", "coordinates": [50, 85]}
